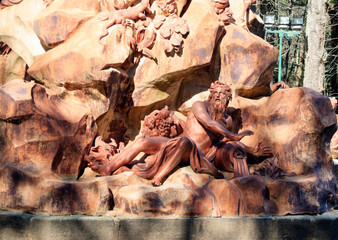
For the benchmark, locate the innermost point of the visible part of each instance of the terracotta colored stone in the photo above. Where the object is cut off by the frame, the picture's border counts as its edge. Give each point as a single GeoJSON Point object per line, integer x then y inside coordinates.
{"type": "Point", "coordinates": [297, 123]}
{"type": "Point", "coordinates": [255, 22]}
{"type": "Point", "coordinates": [181, 195]}
{"type": "Point", "coordinates": [255, 196]}
{"type": "Point", "coordinates": [154, 202]}
{"type": "Point", "coordinates": [20, 35]}
{"type": "Point", "coordinates": [12, 66]}
{"type": "Point", "coordinates": [161, 79]}
{"type": "Point", "coordinates": [301, 195]}
{"type": "Point", "coordinates": [228, 196]}
{"type": "Point", "coordinates": [246, 62]}
{"type": "Point", "coordinates": [53, 24]}
{"type": "Point", "coordinates": [82, 63]}
{"type": "Point", "coordinates": [38, 130]}
{"type": "Point", "coordinates": [334, 145]}
{"type": "Point", "coordinates": [43, 192]}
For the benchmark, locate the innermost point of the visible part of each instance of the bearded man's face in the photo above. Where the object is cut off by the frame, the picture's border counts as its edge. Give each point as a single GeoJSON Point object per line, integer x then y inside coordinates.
{"type": "Point", "coordinates": [220, 99]}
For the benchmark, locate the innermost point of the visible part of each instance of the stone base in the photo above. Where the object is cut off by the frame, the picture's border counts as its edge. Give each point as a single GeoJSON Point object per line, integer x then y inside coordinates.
{"type": "Point", "coordinates": [26, 226]}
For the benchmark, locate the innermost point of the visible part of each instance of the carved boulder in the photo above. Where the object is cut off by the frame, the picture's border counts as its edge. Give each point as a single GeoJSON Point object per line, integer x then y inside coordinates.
{"type": "Point", "coordinates": [41, 131]}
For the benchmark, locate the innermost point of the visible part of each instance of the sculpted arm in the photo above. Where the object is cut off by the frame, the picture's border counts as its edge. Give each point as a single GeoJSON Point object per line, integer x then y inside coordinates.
{"type": "Point", "coordinates": [200, 112]}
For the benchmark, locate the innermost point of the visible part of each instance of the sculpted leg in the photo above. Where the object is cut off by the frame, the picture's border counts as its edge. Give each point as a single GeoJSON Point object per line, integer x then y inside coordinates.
{"type": "Point", "coordinates": [147, 145]}
{"type": "Point", "coordinates": [180, 153]}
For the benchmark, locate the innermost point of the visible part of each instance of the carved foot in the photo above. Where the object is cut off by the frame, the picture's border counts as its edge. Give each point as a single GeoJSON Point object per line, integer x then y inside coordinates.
{"type": "Point", "coordinates": [156, 182]}
{"type": "Point", "coordinates": [98, 165]}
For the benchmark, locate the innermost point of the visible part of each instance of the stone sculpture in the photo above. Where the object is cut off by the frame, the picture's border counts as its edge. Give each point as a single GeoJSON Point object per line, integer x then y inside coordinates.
{"type": "Point", "coordinates": [120, 16]}
{"type": "Point", "coordinates": [245, 14]}
{"type": "Point", "coordinates": [208, 143]}
{"type": "Point", "coordinates": [222, 8]}
{"type": "Point", "coordinates": [62, 87]}
{"type": "Point", "coordinates": [162, 123]}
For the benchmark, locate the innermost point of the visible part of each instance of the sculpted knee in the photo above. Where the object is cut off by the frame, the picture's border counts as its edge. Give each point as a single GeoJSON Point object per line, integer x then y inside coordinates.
{"type": "Point", "coordinates": [185, 142]}
{"type": "Point", "coordinates": [141, 142]}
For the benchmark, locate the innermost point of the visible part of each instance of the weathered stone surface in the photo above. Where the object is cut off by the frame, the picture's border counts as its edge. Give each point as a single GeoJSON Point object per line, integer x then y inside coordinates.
{"type": "Point", "coordinates": [297, 123]}
{"type": "Point", "coordinates": [27, 226]}
{"type": "Point", "coordinates": [255, 23]}
{"type": "Point", "coordinates": [228, 198]}
{"type": "Point", "coordinates": [38, 130]}
{"type": "Point", "coordinates": [181, 195]}
{"type": "Point", "coordinates": [44, 192]}
{"type": "Point", "coordinates": [299, 195]}
{"type": "Point", "coordinates": [12, 66]}
{"type": "Point", "coordinates": [81, 60]}
{"type": "Point", "coordinates": [162, 78]}
{"type": "Point", "coordinates": [246, 62]}
{"type": "Point", "coordinates": [53, 24]}
{"type": "Point", "coordinates": [84, 63]}
{"type": "Point", "coordinates": [255, 196]}
{"type": "Point", "coordinates": [334, 145]}
{"type": "Point", "coordinates": [16, 99]}
{"type": "Point", "coordinates": [20, 35]}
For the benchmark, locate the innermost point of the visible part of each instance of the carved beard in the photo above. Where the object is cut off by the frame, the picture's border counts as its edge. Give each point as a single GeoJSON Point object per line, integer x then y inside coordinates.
{"type": "Point", "coordinates": [218, 109]}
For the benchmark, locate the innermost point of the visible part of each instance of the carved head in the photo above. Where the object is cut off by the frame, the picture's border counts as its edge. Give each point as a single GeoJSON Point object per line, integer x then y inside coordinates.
{"type": "Point", "coordinates": [220, 95]}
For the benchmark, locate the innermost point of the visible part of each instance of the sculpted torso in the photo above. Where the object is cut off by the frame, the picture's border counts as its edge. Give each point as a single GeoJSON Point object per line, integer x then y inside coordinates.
{"type": "Point", "coordinates": [198, 132]}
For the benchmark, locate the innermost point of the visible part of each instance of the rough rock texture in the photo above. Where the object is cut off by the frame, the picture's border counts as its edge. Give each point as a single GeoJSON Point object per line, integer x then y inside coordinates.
{"type": "Point", "coordinates": [161, 79]}
{"type": "Point", "coordinates": [43, 139]}
{"type": "Point", "coordinates": [40, 131]}
{"type": "Point", "coordinates": [298, 124]}
{"type": "Point", "coordinates": [292, 121]}
{"type": "Point", "coordinates": [306, 194]}
{"type": "Point", "coordinates": [185, 193]}
{"type": "Point", "coordinates": [45, 193]}
{"type": "Point", "coordinates": [12, 66]}
{"type": "Point", "coordinates": [20, 35]}
{"type": "Point", "coordinates": [93, 59]}
{"type": "Point", "coordinates": [53, 24]}
{"type": "Point", "coordinates": [334, 145]}
{"type": "Point", "coordinates": [246, 62]}
{"type": "Point", "coordinates": [255, 22]}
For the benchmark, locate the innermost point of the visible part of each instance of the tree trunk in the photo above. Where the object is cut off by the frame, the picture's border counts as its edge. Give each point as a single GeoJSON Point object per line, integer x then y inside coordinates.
{"type": "Point", "coordinates": [315, 32]}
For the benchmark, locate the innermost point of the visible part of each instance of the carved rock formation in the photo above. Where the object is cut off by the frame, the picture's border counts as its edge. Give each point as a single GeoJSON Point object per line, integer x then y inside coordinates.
{"type": "Point", "coordinates": [254, 22]}
{"type": "Point", "coordinates": [298, 124]}
{"type": "Point", "coordinates": [53, 24]}
{"type": "Point", "coordinates": [20, 36]}
{"type": "Point", "coordinates": [95, 65]}
{"type": "Point", "coordinates": [185, 193]}
{"type": "Point", "coordinates": [46, 193]}
{"type": "Point", "coordinates": [240, 48]}
{"type": "Point", "coordinates": [12, 66]}
{"type": "Point", "coordinates": [334, 145]}
{"type": "Point", "coordinates": [162, 82]}
{"type": "Point", "coordinates": [39, 131]}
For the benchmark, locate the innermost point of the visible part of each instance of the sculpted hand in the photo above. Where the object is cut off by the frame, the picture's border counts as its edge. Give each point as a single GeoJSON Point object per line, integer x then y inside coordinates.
{"type": "Point", "coordinates": [263, 151]}
{"type": "Point", "coordinates": [243, 134]}
{"type": "Point", "coordinates": [283, 84]}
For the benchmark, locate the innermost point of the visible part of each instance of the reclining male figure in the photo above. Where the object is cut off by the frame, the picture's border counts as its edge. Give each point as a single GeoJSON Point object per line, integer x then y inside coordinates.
{"type": "Point", "coordinates": [207, 143]}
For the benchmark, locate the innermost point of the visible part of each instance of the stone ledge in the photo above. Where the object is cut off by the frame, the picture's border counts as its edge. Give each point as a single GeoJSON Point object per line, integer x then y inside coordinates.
{"type": "Point", "coordinates": [26, 226]}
